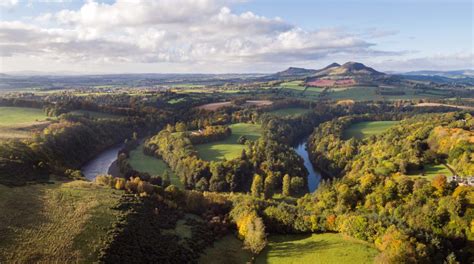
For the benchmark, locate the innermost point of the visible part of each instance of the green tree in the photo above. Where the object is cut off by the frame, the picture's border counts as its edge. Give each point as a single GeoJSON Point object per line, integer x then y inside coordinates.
{"type": "Point", "coordinates": [286, 185]}
{"type": "Point", "coordinates": [180, 127]}
{"type": "Point", "coordinates": [269, 188]}
{"type": "Point", "coordinates": [257, 186]}
{"type": "Point", "coordinates": [297, 186]}
{"type": "Point", "coordinates": [255, 240]}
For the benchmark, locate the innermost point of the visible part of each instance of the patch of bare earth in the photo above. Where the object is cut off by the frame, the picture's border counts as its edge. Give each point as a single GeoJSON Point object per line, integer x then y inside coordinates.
{"type": "Point", "coordinates": [217, 106]}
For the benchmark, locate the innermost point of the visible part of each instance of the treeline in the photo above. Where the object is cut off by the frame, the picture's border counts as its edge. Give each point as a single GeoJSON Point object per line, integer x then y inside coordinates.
{"type": "Point", "coordinates": [209, 134]}
{"type": "Point", "coordinates": [411, 220]}
{"type": "Point", "coordinates": [330, 151]}
{"type": "Point", "coordinates": [454, 144]}
{"type": "Point", "coordinates": [61, 148]}
{"type": "Point", "coordinates": [264, 157]}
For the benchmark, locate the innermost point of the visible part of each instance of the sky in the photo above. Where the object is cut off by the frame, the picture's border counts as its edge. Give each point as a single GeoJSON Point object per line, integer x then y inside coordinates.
{"type": "Point", "coordinates": [233, 36]}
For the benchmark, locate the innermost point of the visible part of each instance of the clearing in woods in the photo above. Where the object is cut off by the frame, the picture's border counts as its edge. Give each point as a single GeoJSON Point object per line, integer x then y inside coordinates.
{"type": "Point", "coordinates": [229, 148]}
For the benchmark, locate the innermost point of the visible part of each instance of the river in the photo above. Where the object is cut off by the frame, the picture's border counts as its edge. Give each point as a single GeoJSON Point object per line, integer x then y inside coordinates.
{"type": "Point", "coordinates": [314, 177]}
{"type": "Point", "coordinates": [101, 164]}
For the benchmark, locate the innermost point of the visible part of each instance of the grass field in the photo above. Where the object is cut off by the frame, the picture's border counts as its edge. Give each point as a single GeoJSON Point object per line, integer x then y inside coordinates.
{"type": "Point", "coordinates": [226, 250]}
{"type": "Point", "coordinates": [20, 115]}
{"type": "Point", "coordinates": [55, 223]}
{"type": "Point", "coordinates": [20, 122]}
{"type": "Point", "coordinates": [317, 248]}
{"type": "Point", "coordinates": [229, 148]}
{"type": "Point", "coordinates": [431, 170]}
{"type": "Point", "coordinates": [364, 129]}
{"type": "Point", "coordinates": [151, 165]}
{"type": "Point", "coordinates": [95, 114]}
{"type": "Point", "coordinates": [294, 85]}
{"type": "Point", "coordinates": [290, 111]}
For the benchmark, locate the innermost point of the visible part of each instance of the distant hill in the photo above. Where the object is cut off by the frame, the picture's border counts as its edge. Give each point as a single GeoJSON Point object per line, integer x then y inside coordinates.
{"type": "Point", "coordinates": [292, 72]}
{"type": "Point", "coordinates": [348, 74]}
{"type": "Point", "coordinates": [448, 74]}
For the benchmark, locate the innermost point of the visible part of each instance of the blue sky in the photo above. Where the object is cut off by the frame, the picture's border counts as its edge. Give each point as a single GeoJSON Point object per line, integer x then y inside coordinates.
{"type": "Point", "coordinates": [233, 35]}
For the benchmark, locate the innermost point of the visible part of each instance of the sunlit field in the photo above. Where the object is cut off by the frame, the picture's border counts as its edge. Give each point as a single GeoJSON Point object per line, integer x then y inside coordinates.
{"type": "Point", "coordinates": [365, 129]}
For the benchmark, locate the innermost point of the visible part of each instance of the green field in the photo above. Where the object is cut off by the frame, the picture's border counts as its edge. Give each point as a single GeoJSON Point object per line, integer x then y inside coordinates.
{"type": "Point", "coordinates": [20, 122]}
{"type": "Point", "coordinates": [20, 115]}
{"type": "Point", "coordinates": [226, 250]}
{"type": "Point", "coordinates": [325, 248]}
{"type": "Point", "coordinates": [290, 111]}
{"type": "Point", "coordinates": [364, 129]}
{"type": "Point", "coordinates": [229, 148]}
{"type": "Point", "coordinates": [94, 114]}
{"type": "Point", "coordinates": [55, 223]}
{"type": "Point", "coordinates": [294, 85]}
{"type": "Point", "coordinates": [155, 167]}
{"type": "Point", "coordinates": [431, 170]}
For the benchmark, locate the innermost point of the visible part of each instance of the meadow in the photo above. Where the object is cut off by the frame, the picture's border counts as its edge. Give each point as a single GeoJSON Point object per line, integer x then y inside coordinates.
{"type": "Point", "coordinates": [226, 250]}
{"type": "Point", "coordinates": [316, 248]}
{"type": "Point", "coordinates": [155, 167]}
{"type": "Point", "coordinates": [229, 148]}
{"type": "Point", "coordinates": [432, 170]}
{"type": "Point", "coordinates": [290, 111]}
{"type": "Point", "coordinates": [63, 222]}
{"type": "Point", "coordinates": [365, 129]}
{"type": "Point", "coordinates": [20, 115]}
{"type": "Point", "coordinates": [20, 122]}
{"type": "Point", "coordinates": [294, 85]}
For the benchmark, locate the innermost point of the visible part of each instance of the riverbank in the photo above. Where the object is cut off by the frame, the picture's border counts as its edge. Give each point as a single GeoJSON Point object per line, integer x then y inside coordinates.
{"type": "Point", "coordinates": [314, 176]}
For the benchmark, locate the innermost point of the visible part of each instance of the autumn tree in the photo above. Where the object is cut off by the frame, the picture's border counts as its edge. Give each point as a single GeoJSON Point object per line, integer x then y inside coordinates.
{"type": "Point", "coordinates": [256, 239]}
{"type": "Point", "coordinates": [286, 185]}
{"type": "Point", "coordinates": [257, 186]}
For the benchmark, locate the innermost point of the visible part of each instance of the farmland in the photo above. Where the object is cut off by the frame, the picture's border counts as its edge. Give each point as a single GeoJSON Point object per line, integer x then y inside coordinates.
{"type": "Point", "coordinates": [20, 122]}
{"type": "Point", "coordinates": [364, 129]}
{"type": "Point", "coordinates": [316, 248]}
{"type": "Point", "coordinates": [155, 167]}
{"type": "Point", "coordinates": [229, 148]}
{"type": "Point", "coordinates": [60, 222]}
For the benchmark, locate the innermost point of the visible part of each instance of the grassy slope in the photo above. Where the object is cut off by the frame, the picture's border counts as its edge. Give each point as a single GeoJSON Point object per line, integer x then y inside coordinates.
{"type": "Point", "coordinates": [19, 115]}
{"type": "Point", "coordinates": [229, 148]}
{"type": "Point", "coordinates": [290, 111]}
{"type": "Point", "coordinates": [316, 248]}
{"type": "Point", "coordinates": [151, 165]}
{"type": "Point", "coordinates": [19, 122]}
{"type": "Point", "coordinates": [226, 250]}
{"type": "Point", "coordinates": [431, 170]}
{"type": "Point", "coordinates": [61, 222]}
{"type": "Point", "coordinates": [364, 129]}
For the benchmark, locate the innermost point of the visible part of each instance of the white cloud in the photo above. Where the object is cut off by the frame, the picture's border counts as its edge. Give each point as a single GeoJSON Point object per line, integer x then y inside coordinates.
{"type": "Point", "coordinates": [187, 32]}
{"type": "Point", "coordinates": [8, 3]}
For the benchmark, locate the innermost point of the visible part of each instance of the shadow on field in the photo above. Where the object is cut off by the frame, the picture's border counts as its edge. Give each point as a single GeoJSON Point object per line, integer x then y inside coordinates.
{"type": "Point", "coordinates": [289, 247]}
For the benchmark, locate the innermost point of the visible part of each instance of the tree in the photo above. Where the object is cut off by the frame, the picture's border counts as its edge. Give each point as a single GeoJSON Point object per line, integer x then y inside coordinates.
{"type": "Point", "coordinates": [286, 185]}
{"type": "Point", "coordinates": [180, 127]}
{"type": "Point", "coordinates": [297, 186]}
{"type": "Point", "coordinates": [269, 188]}
{"type": "Point", "coordinates": [257, 186]}
{"type": "Point", "coordinates": [120, 183]}
{"type": "Point", "coordinates": [255, 240]}
{"type": "Point", "coordinates": [242, 140]}
{"type": "Point", "coordinates": [440, 184]}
